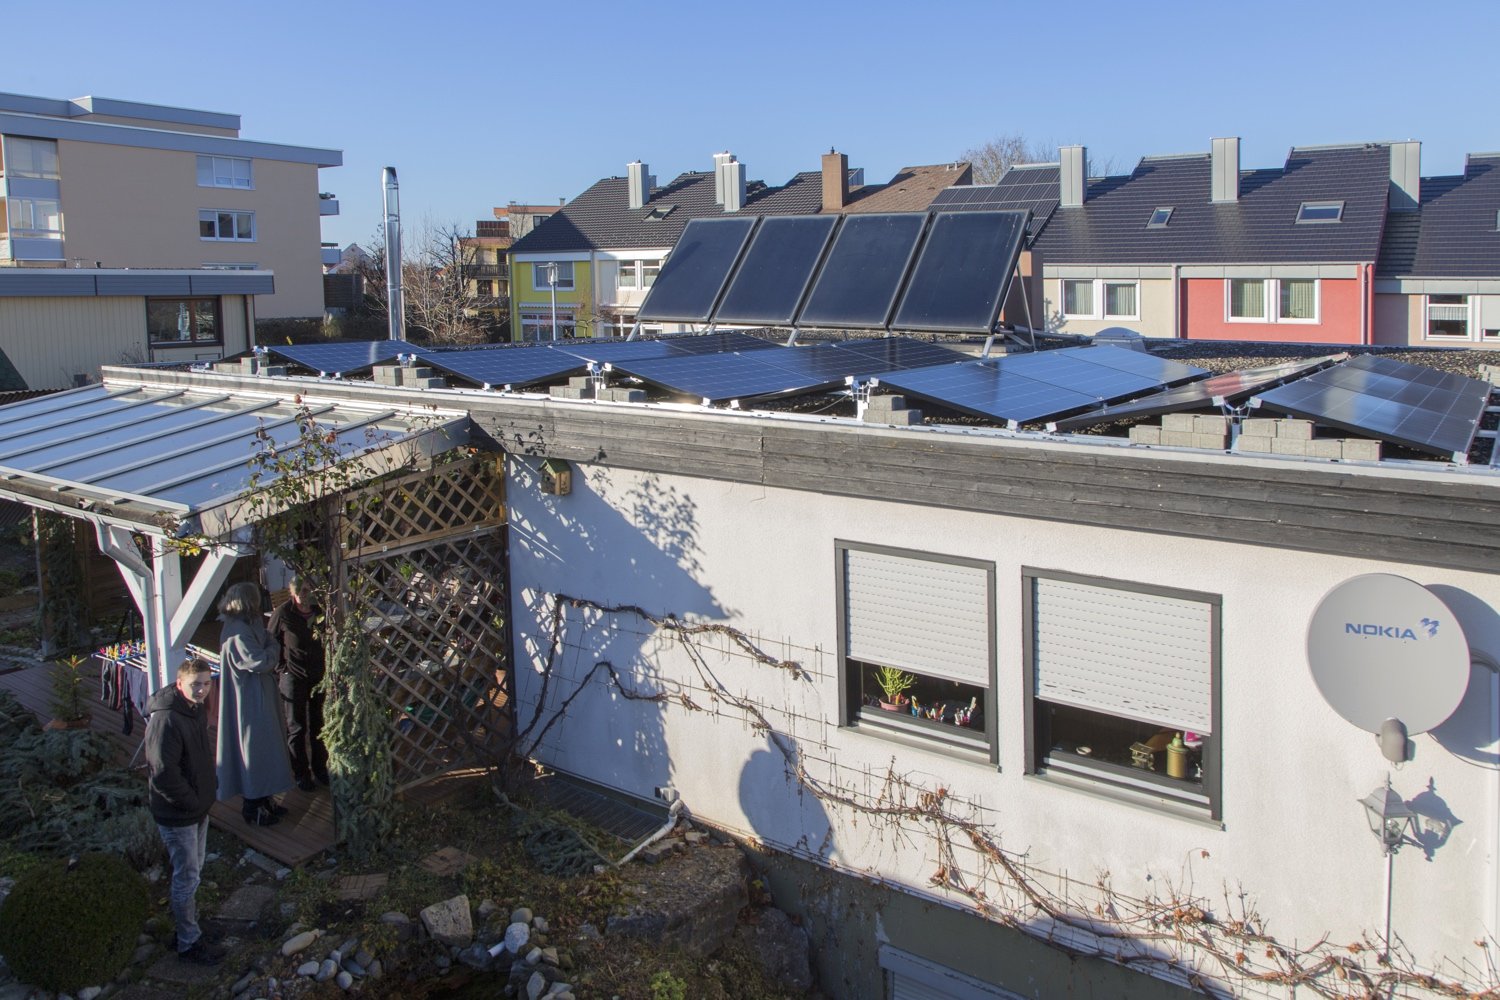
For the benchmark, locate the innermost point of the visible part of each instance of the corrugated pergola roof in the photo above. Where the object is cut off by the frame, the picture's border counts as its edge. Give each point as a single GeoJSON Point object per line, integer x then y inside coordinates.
{"type": "Point", "coordinates": [168, 459]}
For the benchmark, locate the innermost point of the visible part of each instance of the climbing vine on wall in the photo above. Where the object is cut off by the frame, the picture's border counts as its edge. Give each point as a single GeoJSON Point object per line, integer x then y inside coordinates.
{"type": "Point", "coordinates": [1177, 934]}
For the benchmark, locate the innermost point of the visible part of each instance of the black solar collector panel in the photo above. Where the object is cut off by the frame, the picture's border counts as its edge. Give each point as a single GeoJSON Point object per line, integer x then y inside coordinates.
{"type": "Point", "coordinates": [959, 282]}
{"type": "Point", "coordinates": [693, 278]}
{"type": "Point", "coordinates": [717, 378]}
{"type": "Point", "coordinates": [777, 269]}
{"type": "Point", "coordinates": [857, 286]}
{"type": "Point", "coordinates": [984, 389]}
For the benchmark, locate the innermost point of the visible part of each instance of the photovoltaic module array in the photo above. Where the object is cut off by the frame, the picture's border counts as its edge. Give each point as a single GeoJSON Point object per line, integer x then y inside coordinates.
{"type": "Point", "coordinates": [1417, 407]}
{"type": "Point", "coordinates": [1218, 390]}
{"type": "Point", "coordinates": [1025, 388]}
{"type": "Point", "coordinates": [779, 371]}
{"type": "Point", "coordinates": [345, 358]}
{"type": "Point", "coordinates": [945, 273]}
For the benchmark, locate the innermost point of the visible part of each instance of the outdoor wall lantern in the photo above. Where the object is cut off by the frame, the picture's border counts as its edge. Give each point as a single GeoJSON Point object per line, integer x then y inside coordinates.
{"type": "Point", "coordinates": [1392, 823]}
{"type": "Point", "coordinates": [557, 477]}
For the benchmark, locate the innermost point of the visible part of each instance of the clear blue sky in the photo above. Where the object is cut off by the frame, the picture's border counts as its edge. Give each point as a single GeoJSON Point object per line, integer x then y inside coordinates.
{"type": "Point", "coordinates": [480, 104]}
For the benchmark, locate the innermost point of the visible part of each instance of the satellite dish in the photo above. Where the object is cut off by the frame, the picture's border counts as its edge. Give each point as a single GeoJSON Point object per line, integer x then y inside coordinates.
{"type": "Point", "coordinates": [1384, 647]}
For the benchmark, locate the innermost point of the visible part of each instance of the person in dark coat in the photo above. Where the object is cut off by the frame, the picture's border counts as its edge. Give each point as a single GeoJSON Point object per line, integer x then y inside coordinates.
{"type": "Point", "coordinates": [252, 752]}
{"type": "Point", "coordinates": [180, 791]}
{"type": "Point", "coordinates": [297, 626]}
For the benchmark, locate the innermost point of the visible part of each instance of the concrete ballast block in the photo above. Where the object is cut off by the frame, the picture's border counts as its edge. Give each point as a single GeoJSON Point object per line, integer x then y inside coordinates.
{"type": "Point", "coordinates": [1300, 430]}
{"type": "Point", "coordinates": [1176, 439]}
{"type": "Point", "coordinates": [1289, 446]}
{"type": "Point", "coordinates": [1185, 422]}
{"type": "Point", "coordinates": [1258, 427]}
{"type": "Point", "coordinates": [1254, 443]}
{"type": "Point", "coordinates": [1207, 424]}
{"type": "Point", "coordinates": [1145, 434]}
{"type": "Point", "coordinates": [1325, 448]}
{"type": "Point", "coordinates": [1361, 450]}
{"type": "Point", "coordinates": [903, 418]}
{"type": "Point", "coordinates": [1216, 442]}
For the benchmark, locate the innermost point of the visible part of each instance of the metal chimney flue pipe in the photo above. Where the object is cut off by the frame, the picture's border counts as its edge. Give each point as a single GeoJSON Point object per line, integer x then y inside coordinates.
{"type": "Point", "coordinates": [396, 301]}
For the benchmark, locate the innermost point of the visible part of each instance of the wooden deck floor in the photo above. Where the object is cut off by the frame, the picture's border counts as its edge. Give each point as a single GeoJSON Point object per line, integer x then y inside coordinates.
{"type": "Point", "coordinates": [304, 832]}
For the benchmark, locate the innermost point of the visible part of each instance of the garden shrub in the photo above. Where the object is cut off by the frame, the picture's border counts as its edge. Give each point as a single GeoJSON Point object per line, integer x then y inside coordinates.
{"type": "Point", "coordinates": [63, 928]}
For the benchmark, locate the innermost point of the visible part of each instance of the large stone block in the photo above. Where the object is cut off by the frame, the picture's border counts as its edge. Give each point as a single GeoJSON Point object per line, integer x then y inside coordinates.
{"type": "Point", "coordinates": [450, 922]}
{"type": "Point", "coordinates": [691, 900]}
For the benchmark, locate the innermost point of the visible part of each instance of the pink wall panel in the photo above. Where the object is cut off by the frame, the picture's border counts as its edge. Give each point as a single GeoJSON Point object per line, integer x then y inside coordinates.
{"type": "Point", "coordinates": [1339, 319]}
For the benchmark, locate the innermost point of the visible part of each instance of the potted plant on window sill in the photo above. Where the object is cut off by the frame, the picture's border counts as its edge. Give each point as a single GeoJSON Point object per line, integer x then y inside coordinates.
{"type": "Point", "coordinates": [894, 683]}
{"type": "Point", "coordinates": [68, 708]}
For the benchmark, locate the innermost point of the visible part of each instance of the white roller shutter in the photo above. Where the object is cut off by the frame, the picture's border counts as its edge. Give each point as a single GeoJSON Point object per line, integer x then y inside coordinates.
{"type": "Point", "coordinates": [1142, 656]}
{"type": "Point", "coordinates": [917, 614]}
{"type": "Point", "coordinates": [914, 978]}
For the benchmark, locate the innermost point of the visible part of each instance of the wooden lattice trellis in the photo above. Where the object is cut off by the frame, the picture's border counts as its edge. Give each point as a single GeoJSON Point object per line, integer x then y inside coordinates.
{"type": "Point", "coordinates": [428, 551]}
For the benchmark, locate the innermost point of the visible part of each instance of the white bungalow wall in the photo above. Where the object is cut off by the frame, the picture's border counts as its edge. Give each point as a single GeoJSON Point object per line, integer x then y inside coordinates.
{"type": "Point", "coordinates": [1293, 837]}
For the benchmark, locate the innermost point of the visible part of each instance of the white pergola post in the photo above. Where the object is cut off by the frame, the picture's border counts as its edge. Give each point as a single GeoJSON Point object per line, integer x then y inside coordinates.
{"type": "Point", "coordinates": [169, 616]}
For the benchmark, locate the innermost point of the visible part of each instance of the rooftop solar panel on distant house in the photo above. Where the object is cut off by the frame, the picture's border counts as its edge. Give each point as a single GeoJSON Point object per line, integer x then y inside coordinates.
{"type": "Point", "coordinates": [959, 282]}
{"type": "Point", "coordinates": [693, 278]}
{"type": "Point", "coordinates": [776, 271]}
{"type": "Point", "coordinates": [1420, 408]}
{"type": "Point", "coordinates": [857, 286]}
{"type": "Point", "coordinates": [345, 357]}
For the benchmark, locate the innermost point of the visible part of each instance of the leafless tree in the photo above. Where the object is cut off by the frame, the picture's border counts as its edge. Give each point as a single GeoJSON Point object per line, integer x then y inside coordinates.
{"type": "Point", "coordinates": [432, 283]}
{"type": "Point", "coordinates": [993, 158]}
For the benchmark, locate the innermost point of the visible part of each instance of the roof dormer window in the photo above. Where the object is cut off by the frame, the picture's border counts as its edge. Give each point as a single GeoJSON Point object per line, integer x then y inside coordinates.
{"type": "Point", "coordinates": [1320, 211]}
{"type": "Point", "coordinates": [658, 213]}
{"type": "Point", "coordinates": [1160, 218]}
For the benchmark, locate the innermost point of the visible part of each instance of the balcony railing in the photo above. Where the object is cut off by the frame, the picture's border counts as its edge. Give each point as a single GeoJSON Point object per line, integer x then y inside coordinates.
{"type": "Point", "coordinates": [486, 271]}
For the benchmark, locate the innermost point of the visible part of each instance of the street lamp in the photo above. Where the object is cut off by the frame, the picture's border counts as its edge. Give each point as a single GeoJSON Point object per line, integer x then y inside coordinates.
{"type": "Point", "coordinates": [1393, 824]}
{"type": "Point", "coordinates": [551, 268]}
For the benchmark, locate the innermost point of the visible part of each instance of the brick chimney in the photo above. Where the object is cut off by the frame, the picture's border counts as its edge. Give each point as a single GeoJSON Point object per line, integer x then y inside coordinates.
{"type": "Point", "coordinates": [835, 181]}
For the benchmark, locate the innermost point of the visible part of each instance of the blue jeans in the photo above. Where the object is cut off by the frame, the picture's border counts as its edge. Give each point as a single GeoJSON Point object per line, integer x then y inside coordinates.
{"type": "Point", "coordinates": [186, 846]}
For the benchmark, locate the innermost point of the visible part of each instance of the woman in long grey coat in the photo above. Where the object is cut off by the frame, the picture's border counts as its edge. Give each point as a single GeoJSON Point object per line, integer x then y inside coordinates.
{"type": "Point", "coordinates": [252, 757]}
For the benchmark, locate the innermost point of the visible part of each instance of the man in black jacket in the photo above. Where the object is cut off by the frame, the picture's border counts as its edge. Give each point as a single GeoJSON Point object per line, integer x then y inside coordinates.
{"type": "Point", "coordinates": [180, 791]}
{"type": "Point", "coordinates": [297, 625]}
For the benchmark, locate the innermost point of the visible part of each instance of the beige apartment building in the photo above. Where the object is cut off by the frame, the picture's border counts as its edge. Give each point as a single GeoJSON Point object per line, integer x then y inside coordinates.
{"type": "Point", "coordinates": [180, 232]}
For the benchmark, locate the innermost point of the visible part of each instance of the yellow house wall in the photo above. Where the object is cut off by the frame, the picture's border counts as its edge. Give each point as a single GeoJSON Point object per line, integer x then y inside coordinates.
{"type": "Point", "coordinates": [50, 340]}
{"type": "Point", "coordinates": [524, 298]}
{"type": "Point", "coordinates": [128, 207]}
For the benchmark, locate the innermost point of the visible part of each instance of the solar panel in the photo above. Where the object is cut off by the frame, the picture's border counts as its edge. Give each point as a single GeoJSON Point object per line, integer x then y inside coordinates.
{"type": "Point", "coordinates": [1231, 387]}
{"type": "Point", "coordinates": [716, 378]}
{"type": "Point", "coordinates": [858, 283]}
{"type": "Point", "coordinates": [612, 351]}
{"type": "Point", "coordinates": [506, 366]}
{"type": "Point", "coordinates": [690, 282]}
{"type": "Point", "coordinates": [960, 279]}
{"type": "Point", "coordinates": [347, 357]}
{"type": "Point", "coordinates": [770, 283]}
{"type": "Point", "coordinates": [1409, 405]}
{"type": "Point", "coordinates": [984, 389]}
{"type": "Point", "coordinates": [1022, 388]}
{"type": "Point", "coordinates": [897, 353]}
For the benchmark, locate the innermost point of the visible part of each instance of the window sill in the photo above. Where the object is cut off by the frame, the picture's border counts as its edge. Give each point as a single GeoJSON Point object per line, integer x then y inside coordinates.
{"type": "Point", "coordinates": [930, 736]}
{"type": "Point", "coordinates": [1145, 798]}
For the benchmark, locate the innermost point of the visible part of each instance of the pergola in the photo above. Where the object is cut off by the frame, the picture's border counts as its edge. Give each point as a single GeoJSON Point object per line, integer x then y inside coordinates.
{"type": "Point", "coordinates": [161, 462]}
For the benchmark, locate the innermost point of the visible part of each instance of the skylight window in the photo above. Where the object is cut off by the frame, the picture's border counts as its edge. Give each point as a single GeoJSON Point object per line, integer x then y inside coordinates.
{"type": "Point", "coordinates": [1160, 218]}
{"type": "Point", "coordinates": [659, 212]}
{"type": "Point", "coordinates": [1320, 211]}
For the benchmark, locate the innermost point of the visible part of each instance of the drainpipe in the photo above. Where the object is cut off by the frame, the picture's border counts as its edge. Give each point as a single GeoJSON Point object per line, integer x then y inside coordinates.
{"type": "Point", "coordinates": [1177, 301]}
{"type": "Point", "coordinates": [666, 828]}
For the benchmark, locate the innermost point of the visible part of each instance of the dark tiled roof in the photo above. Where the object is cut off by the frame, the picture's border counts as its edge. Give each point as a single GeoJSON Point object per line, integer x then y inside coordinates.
{"type": "Point", "coordinates": [1454, 235]}
{"type": "Point", "coordinates": [911, 190]}
{"type": "Point", "coordinates": [1029, 186]}
{"type": "Point", "coordinates": [1259, 228]}
{"type": "Point", "coordinates": [598, 219]}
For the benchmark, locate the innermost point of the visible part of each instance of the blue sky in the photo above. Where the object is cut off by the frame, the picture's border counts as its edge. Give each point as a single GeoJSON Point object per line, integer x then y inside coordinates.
{"type": "Point", "coordinates": [477, 105]}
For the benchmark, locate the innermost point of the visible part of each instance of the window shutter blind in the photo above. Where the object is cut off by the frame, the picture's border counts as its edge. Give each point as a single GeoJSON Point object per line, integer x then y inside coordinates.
{"type": "Point", "coordinates": [917, 614]}
{"type": "Point", "coordinates": [1141, 656]}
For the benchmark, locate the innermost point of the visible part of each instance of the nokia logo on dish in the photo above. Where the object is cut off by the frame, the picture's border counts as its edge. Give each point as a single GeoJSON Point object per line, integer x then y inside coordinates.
{"type": "Point", "coordinates": [1428, 625]}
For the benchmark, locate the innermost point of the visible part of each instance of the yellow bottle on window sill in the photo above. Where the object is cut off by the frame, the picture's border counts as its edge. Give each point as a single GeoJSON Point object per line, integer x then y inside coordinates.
{"type": "Point", "coordinates": [1177, 757]}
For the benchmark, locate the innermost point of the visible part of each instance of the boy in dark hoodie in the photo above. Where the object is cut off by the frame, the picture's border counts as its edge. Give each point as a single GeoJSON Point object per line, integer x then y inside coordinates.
{"type": "Point", "coordinates": [181, 789]}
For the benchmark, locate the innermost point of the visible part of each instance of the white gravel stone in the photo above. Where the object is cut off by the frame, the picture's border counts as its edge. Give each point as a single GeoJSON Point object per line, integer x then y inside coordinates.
{"type": "Point", "coordinates": [344, 980]}
{"type": "Point", "coordinates": [327, 970]}
{"type": "Point", "coordinates": [308, 968]}
{"type": "Point", "coordinates": [300, 941]}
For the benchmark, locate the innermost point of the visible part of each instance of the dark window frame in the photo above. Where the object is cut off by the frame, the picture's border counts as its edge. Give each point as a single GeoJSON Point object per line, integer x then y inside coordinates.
{"type": "Point", "coordinates": [192, 302]}
{"type": "Point", "coordinates": [1137, 789]}
{"type": "Point", "coordinates": [933, 736]}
